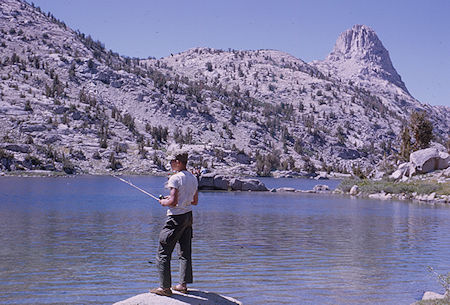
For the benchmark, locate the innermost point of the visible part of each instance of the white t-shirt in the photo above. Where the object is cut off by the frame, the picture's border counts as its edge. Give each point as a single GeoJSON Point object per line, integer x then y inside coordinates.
{"type": "Point", "coordinates": [187, 185]}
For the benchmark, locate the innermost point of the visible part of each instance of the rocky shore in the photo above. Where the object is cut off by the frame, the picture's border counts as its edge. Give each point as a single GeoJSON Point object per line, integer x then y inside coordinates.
{"type": "Point", "coordinates": [373, 189]}
{"type": "Point", "coordinates": [212, 181]}
{"type": "Point", "coordinates": [425, 179]}
{"type": "Point", "coordinates": [421, 188]}
{"type": "Point", "coordinates": [193, 297]}
{"type": "Point", "coordinates": [430, 188]}
{"type": "Point", "coordinates": [433, 298]}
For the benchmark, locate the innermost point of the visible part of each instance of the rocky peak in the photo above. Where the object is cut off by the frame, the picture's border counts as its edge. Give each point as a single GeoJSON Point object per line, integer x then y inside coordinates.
{"type": "Point", "coordinates": [359, 42]}
{"type": "Point", "coordinates": [360, 51]}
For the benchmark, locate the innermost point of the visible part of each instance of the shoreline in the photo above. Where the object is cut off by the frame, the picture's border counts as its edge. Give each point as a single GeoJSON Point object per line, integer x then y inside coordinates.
{"type": "Point", "coordinates": [45, 174]}
{"type": "Point", "coordinates": [431, 198]}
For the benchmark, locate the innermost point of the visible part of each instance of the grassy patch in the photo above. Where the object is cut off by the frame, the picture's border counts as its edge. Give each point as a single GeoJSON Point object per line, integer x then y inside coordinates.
{"type": "Point", "coordinates": [420, 187]}
{"type": "Point", "coordinates": [445, 189]}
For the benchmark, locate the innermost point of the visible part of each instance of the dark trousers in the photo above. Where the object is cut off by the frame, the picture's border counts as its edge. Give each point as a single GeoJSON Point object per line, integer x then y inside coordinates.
{"type": "Point", "coordinates": [178, 228]}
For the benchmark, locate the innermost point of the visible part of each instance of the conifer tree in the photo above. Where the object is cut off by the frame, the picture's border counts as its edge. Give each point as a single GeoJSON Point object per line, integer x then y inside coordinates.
{"type": "Point", "coordinates": [422, 129]}
{"type": "Point", "coordinates": [405, 147]}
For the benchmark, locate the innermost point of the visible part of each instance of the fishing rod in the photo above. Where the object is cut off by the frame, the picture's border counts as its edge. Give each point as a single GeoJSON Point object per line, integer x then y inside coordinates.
{"type": "Point", "coordinates": [138, 188]}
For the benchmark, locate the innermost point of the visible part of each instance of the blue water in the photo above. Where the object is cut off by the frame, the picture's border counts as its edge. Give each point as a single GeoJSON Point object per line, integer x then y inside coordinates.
{"type": "Point", "coordinates": [93, 240]}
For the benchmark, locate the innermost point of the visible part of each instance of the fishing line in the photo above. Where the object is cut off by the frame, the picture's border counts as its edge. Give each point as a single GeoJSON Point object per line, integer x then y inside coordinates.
{"type": "Point", "coordinates": [138, 188]}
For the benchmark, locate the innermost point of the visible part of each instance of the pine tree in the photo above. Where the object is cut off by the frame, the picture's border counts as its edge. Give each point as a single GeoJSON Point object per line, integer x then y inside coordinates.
{"type": "Point", "coordinates": [209, 66]}
{"type": "Point", "coordinates": [405, 147]}
{"type": "Point", "coordinates": [114, 164]}
{"type": "Point", "coordinates": [422, 129]}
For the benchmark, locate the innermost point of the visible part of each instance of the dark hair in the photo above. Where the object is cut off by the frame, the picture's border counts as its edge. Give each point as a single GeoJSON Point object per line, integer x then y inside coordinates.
{"type": "Point", "coordinates": [183, 158]}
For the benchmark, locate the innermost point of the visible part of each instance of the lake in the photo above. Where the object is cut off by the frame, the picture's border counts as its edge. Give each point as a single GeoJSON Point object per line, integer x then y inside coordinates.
{"type": "Point", "coordinates": [93, 240]}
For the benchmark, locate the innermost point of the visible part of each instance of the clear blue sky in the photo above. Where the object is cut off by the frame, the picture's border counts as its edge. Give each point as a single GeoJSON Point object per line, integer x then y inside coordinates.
{"type": "Point", "coordinates": [415, 32]}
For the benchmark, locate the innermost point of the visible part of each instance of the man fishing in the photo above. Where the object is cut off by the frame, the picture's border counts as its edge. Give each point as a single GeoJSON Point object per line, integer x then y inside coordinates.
{"type": "Point", "coordinates": [178, 227]}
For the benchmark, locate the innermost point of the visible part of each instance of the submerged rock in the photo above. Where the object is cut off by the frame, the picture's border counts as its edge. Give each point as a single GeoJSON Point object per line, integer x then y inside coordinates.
{"type": "Point", "coordinates": [381, 196]}
{"type": "Point", "coordinates": [321, 188]}
{"type": "Point", "coordinates": [285, 189]}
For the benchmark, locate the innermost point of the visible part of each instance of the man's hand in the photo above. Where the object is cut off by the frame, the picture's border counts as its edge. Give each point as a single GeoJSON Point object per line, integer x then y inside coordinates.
{"type": "Point", "coordinates": [161, 198]}
{"type": "Point", "coordinates": [171, 200]}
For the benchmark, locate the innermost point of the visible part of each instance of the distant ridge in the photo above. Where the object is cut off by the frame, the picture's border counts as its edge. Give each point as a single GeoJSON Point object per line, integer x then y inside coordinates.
{"type": "Point", "coordinates": [69, 105]}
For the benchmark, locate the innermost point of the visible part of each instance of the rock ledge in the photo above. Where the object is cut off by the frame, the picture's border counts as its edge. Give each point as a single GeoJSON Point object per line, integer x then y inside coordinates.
{"type": "Point", "coordinates": [193, 297]}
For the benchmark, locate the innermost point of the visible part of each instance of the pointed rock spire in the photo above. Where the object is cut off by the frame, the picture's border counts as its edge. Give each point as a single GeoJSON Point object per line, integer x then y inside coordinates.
{"type": "Point", "coordinates": [359, 50]}
{"type": "Point", "coordinates": [360, 42]}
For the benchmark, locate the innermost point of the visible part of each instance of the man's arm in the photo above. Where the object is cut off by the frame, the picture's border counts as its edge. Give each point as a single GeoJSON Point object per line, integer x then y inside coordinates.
{"type": "Point", "coordinates": [171, 200]}
{"type": "Point", "coordinates": [195, 201]}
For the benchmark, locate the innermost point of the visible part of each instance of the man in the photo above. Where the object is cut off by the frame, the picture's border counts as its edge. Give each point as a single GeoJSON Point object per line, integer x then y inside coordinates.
{"type": "Point", "coordinates": [178, 227]}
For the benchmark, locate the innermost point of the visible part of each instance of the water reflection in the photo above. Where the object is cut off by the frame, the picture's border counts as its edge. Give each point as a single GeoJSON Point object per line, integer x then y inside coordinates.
{"type": "Point", "coordinates": [92, 240]}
